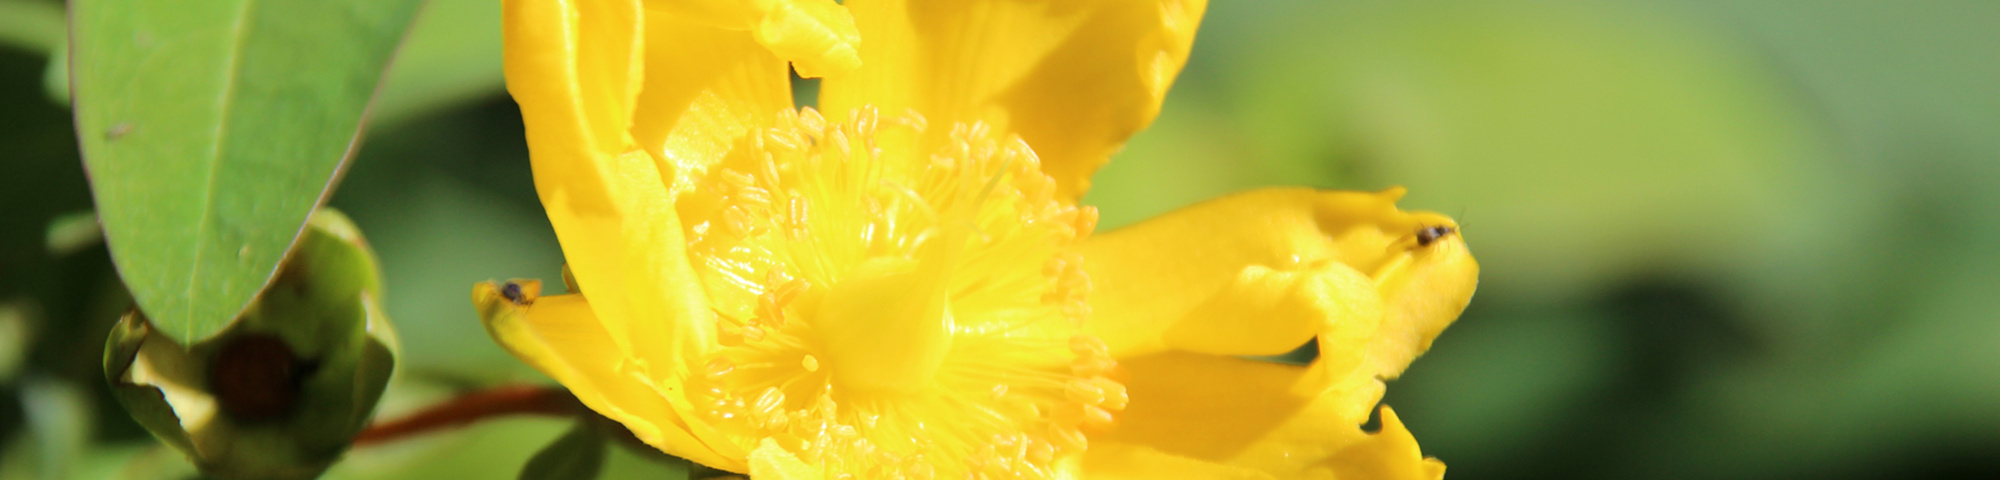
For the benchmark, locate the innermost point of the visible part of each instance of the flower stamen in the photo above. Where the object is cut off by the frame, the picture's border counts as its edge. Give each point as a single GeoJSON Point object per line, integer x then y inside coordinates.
{"type": "Point", "coordinates": [883, 302]}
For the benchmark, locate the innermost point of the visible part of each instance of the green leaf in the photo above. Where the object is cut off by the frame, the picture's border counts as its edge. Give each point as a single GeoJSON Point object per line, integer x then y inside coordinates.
{"type": "Point", "coordinates": [578, 455]}
{"type": "Point", "coordinates": [212, 128]}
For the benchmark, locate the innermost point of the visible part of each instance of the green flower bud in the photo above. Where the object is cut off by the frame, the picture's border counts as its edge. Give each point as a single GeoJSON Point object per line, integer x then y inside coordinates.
{"type": "Point", "coordinates": [282, 390]}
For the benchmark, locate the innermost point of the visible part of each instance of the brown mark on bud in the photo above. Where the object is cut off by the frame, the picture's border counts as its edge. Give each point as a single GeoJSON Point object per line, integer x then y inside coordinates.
{"type": "Point", "coordinates": [255, 377]}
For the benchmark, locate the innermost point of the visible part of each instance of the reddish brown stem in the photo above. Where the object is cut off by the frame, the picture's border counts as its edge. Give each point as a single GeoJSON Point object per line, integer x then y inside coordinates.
{"type": "Point", "coordinates": [472, 407]}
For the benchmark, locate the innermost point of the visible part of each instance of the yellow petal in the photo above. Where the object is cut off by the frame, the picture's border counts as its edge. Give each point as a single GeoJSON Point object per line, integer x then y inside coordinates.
{"type": "Point", "coordinates": [1255, 273]}
{"type": "Point", "coordinates": [817, 36]}
{"type": "Point", "coordinates": [772, 462]}
{"type": "Point", "coordinates": [573, 66]}
{"type": "Point", "coordinates": [1282, 420]}
{"type": "Point", "coordinates": [1389, 454]}
{"type": "Point", "coordinates": [577, 69]}
{"type": "Point", "coordinates": [1074, 78]}
{"type": "Point", "coordinates": [1424, 293]}
{"type": "Point", "coordinates": [697, 102]}
{"type": "Point", "coordinates": [559, 336]}
{"type": "Point", "coordinates": [1292, 260]}
{"type": "Point", "coordinates": [632, 261]}
{"type": "Point", "coordinates": [1117, 461]}
{"type": "Point", "coordinates": [1266, 311]}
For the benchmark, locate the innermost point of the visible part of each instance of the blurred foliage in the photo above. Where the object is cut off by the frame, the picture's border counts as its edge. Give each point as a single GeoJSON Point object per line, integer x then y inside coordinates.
{"type": "Point", "coordinates": [15, 331]}
{"type": "Point", "coordinates": [31, 25]}
{"type": "Point", "coordinates": [577, 454]}
{"type": "Point", "coordinates": [1722, 238]}
{"type": "Point", "coordinates": [451, 56]}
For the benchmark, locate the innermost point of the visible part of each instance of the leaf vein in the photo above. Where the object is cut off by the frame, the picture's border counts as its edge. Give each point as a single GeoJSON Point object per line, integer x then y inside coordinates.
{"type": "Point", "coordinates": [239, 34]}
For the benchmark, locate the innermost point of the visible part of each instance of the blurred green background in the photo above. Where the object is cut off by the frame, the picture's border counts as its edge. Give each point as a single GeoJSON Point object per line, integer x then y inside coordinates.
{"type": "Point", "coordinates": [1721, 238]}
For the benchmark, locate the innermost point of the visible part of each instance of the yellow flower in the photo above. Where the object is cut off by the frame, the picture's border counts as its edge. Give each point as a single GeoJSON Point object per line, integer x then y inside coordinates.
{"type": "Point", "coordinates": [907, 287]}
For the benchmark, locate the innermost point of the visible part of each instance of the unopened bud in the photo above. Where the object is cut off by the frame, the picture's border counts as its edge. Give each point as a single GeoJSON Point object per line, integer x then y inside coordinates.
{"type": "Point", "coordinates": [280, 392]}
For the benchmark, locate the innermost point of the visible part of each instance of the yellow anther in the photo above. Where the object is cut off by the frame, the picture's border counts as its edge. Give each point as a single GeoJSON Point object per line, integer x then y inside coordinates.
{"type": "Point", "coordinates": [1085, 392]}
{"type": "Point", "coordinates": [719, 367]}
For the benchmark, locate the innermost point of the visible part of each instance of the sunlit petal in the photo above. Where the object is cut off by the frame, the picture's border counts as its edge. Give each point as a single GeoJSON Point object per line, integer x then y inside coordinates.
{"type": "Point", "coordinates": [705, 89]}
{"type": "Point", "coordinates": [1073, 78]}
{"type": "Point", "coordinates": [573, 66]}
{"type": "Point", "coordinates": [1285, 421]}
{"type": "Point", "coordinates": [1389, 454]}
{"type": "Point", "coordinates": [817, 36]}
{"type": "Point", "coordinates": [559, 336]}
{"type": "Point", "coordinates": [1120, 461]}
{"type": "Point", "coordinates": [1295, 254]}
{"type": "Point", "coordinates": [772, 462]}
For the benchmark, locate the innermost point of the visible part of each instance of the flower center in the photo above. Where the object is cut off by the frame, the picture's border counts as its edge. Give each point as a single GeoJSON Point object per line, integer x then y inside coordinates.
{"type": "Point", "coordinates": [892, 307]}
{"type": "Point", "coordinates": [885, 327]}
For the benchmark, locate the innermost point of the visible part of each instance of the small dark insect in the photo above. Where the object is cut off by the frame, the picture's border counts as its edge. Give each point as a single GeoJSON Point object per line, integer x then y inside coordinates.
{"type": "Point", "coordinates": [1430, 234]}
{"type": "Point", "coordinates": [513, 293]}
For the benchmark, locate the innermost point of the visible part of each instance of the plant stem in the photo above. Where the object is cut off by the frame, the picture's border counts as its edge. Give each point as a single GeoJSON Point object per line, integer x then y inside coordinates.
{"type": "Point", "coordinates": [473, 407]}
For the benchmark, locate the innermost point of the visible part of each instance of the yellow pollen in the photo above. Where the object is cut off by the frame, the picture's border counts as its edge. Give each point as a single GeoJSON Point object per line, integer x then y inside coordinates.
{"type": "Point", "coordinates": [893, 305]}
